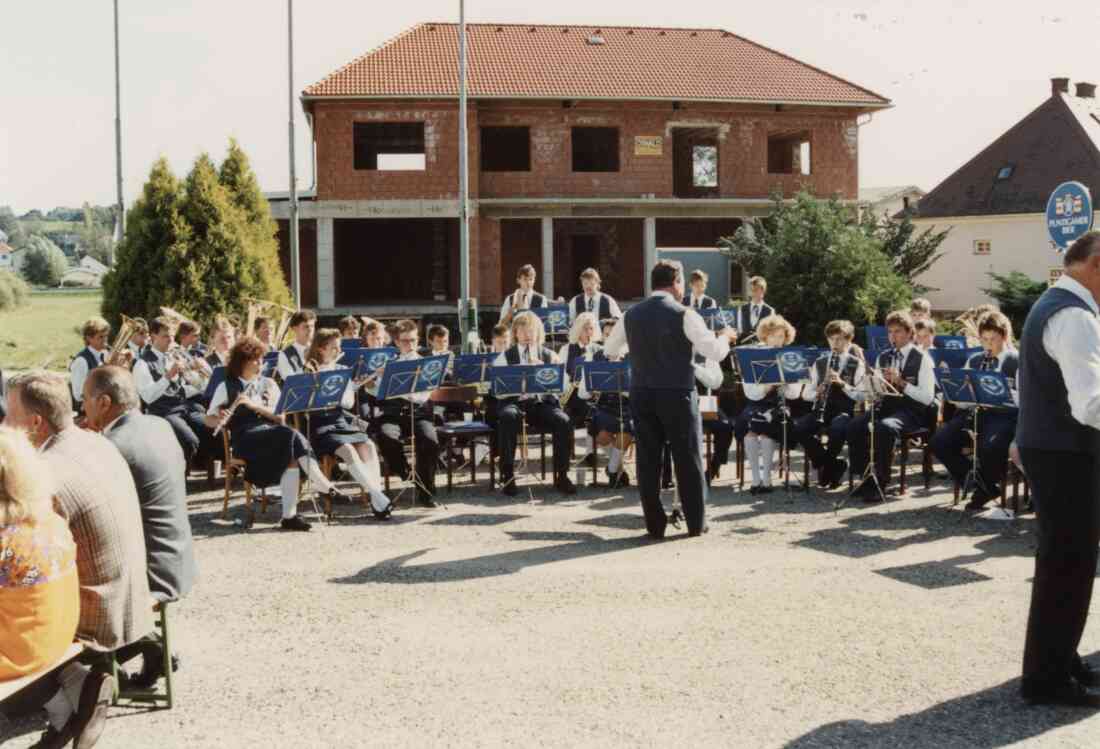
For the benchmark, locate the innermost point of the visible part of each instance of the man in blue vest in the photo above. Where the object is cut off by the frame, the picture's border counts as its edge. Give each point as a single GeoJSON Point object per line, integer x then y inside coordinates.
{"type": "Point", "coordinates": [661, 334]}
{"type": "Point", "coordinates": [1059, 441]}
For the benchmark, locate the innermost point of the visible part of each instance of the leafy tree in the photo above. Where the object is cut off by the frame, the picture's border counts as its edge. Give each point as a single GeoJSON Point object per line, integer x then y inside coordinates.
{"type": "Point", "coordinates": [95, 238]}
{"type": "Point", "coordinates": [33, 215]}
{"type": "Point", "coordinates": [820, 265]}
{"type": "Point", "coordinates": [236, 175]}
{"type": "Point", "coordinates": [44, 263]}
{"type": "Point", "coordinates": [137, 284]}
{"type": "Point", "coordinates": [911, 253]}
{"type": "Point", "coordinates": [14, 291]}
{"type": "Point", "coordinates": [10, 225]}
{"type": "Point", "coordinates": [1015, 293]}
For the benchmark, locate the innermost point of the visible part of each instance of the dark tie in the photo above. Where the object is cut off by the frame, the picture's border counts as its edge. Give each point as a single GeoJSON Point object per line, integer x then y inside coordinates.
{"type": "Point", "coordinates": [698, 302]}
{"type": "Point", "coordinates": [589, 304]}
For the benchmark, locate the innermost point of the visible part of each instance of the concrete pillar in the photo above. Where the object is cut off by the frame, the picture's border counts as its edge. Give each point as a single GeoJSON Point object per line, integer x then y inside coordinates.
{"type": "Point", "coordinates": [649, 251]}
{"type": "Point", "coordinates": [326, 265]}
{"type": "Point", "coordinates": [548, 257]}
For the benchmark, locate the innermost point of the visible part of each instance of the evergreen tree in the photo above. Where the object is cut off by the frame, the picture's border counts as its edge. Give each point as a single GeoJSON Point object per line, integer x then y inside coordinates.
{"type": "Point", "coordinates": [44, 263]}
{"type": "Point", "coordinates": [820, 265]}
{"type": "Point", "coordinates": [1015, 293]}
{"type": "Point", "coordinates": [137, 285]}
{"type": "Point", "coordinates": [911, 253]}
{"type": "Point", "coordinates": [239, 180]}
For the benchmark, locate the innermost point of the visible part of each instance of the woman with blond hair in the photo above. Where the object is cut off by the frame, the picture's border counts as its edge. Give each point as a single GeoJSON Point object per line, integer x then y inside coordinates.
{"type": "Point", "coordinates": [760, 424]}
{"type": "Point", "coordinates": [39, 589]}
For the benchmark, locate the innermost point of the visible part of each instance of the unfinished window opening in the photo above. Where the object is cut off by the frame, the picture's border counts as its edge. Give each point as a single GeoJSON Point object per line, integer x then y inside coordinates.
{"type": "Point", "coordinates": [695, 158]}
{"type": "Point", "coordinates": [704, 166]}
{"type": "Point", "coordinates": [390, 146]}
{"type": "Point", "coordinates": [789, 153]}
{"type": "Point", "coordinates": [505, 149]}
{"type": "Point", "coordinates": [595, 149]}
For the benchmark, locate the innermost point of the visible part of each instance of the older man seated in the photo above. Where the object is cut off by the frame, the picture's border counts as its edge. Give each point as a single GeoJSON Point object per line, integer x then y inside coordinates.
{"type": "Point", "coordinates": [95, 493]}
{"type": "Point", "coordinates": [149, 446]}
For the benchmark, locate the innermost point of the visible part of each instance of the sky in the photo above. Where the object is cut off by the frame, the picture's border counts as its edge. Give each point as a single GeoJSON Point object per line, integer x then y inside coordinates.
{"type": "Point", "coordinates": [195, 73]}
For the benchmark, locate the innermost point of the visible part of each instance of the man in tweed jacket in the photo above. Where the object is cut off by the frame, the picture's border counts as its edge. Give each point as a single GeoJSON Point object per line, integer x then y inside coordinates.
{"type": "Point", "coordinates": [95, 493]}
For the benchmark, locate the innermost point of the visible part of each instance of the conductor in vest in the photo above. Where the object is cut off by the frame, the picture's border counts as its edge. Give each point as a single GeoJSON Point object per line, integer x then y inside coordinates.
{"type": "Point", "coordinates": [1058, 435]}
{"type": "Point", "coordinates": [661, 334]}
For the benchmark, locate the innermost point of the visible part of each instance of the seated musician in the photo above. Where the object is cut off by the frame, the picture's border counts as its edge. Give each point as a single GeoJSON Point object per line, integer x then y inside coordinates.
{"type": "Point", "coordinates": [910, 372]}
{"type": "Point", "coordinates": [834, 379]}
{"type": "Point", "coordinates": [394, 421]}
{"type": "Point", "coordinates": [168, 383]}
{"type": "Point", "coordinates": [293, 358]}
{"type": "Point", "coordinates": [751, 313]}
{"type": "Point", "coordinates": [274, 452]}
{"type": "Point", "coordinates": [611, 425]}
{"type": "Point", "coordinates": [439, 341]}
{"type": "Point", "coordinates": [502, 338]}
{"type": "Point", "coordinates": [189, 335]}
{"type": "Point", "coordinates": [592, 299]}
{"type": "Point", "coordinates": [542, 412]}
{"type": "Point", "coordinates": [374, 334]}
{"type": "Point", "coordinates": [920, 309]}
{"type": "Point", "coordinates": [763, 419]}
{"type": "Point", "coordinates": [95, 331]}
{"type": "Point", "coordinates": [697, 298]}
{"type": "Point", "coordinates": [524, 297]}
{"type": "Point", "coordinates": [333, 432]}
{"type": "Point", "coordinates": [996, 428]}
{"type": "Point", "coordinates": [708, 378]}
{"type": "Point", "coordinates": [924, 334]}
{"type": "Point", "coordinates": [139, 340]}
{"type": "Point", "coordinates": [583, 346]}
{"type": "Point", "coordinates": [222, 341]}
{"type": "Point", "coordinates": [348, 327]}
{"type": "Point", "coordinates": [264, 332]}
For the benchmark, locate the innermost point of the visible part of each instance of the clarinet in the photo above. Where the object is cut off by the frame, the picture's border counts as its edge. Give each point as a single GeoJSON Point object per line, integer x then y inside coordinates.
{"type": "Point", "coordinates": [825, 388]}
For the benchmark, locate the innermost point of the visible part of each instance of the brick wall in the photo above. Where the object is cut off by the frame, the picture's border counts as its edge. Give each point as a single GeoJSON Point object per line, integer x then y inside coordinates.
{"type": "Point", "coordinates": [743, 134]}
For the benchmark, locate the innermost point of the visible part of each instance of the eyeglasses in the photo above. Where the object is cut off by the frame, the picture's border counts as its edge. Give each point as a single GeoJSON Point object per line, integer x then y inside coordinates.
{"type": "Point", "coordinates": [413, 339]}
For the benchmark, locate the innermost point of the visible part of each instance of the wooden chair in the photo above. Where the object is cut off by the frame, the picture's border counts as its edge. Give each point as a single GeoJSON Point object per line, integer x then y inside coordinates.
{"type": "Point", "coordinates": [234, 467]}
{"type": "Point", "coordinates": [152, 695]}
{"type": "Point", "coordinates": [468, 433]}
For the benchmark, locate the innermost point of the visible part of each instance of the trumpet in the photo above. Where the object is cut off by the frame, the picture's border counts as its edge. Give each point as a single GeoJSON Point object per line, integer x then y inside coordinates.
{"type": "Point", "coordinates": [196, 371]}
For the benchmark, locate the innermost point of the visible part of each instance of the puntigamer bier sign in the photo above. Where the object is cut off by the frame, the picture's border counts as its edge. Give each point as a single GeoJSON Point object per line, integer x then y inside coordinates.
{"type": "Point", "coordinates": [1069, 214]}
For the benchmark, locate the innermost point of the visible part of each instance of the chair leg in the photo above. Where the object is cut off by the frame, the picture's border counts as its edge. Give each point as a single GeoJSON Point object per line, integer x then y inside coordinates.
{"type": "Point", "coordinates": [740, 465]}
{"type": "Point", "coordinates": [926, 466]}
{"type": "Point", "coordinates": [902, 485]}
{"type": "Point", "coordinates": [228, 489]}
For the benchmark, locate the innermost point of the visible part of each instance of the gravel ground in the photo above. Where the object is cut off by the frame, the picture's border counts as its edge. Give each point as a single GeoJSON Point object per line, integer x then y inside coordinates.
{"type": "Point", "coordinates": [553, 622]}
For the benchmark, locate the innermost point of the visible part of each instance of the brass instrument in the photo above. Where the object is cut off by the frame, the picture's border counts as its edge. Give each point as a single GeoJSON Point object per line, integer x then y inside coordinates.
{"type": "Point", "coordinates": [196, 370]}
{"type": "Point", "coordinates": [513, 308]}
{"type": "Point", "coordinates": [172, 315]}
{"type": "Point", "coordinates": [118, 353]}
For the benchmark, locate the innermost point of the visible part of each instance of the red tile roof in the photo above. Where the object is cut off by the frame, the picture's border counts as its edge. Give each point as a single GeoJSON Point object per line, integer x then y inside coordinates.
{"type": "Point", "coordinates": [560, 62]}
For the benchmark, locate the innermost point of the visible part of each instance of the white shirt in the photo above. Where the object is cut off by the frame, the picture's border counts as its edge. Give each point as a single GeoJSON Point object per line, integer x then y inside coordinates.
{"type": "Point", "coordinates": [588, 352]}
{"type": "Point", "coordinates": [524, 299]}
{"type": "Point", "coordinates": [78, 372]}
{"type": "Point", "coordinates": [709, 373]}
{"type": "Point", "coordinates": [253, 390]}
{"type": "Point", "coordinates": [1072, 338]}
{"type": "Point", "coordinates": [612, 305]}
{"type": "Point", "coordinates": [696, 331]}
{"type": "Point", "coordinates": [810, 392]}
{"type": "Point", "coordinates": [286, 369]}
{"type": "Point", "coordinates": [924, 392]}
{"type": "Point", "coordinates": [148, 388]}
{"type": "Point", "coordinates": [696, 302]}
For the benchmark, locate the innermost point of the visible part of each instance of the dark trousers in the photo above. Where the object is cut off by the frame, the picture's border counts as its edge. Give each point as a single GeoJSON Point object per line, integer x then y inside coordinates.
{"type": "Point", "coordinates": [995, 433]}
{"type": "Point", "coordinates": [1066, 487]}
{"type": "Point", "coordinates": [670, 416]}
{"type": "Point", "coordinates": [393, 428]}
{"type": "Point", "coordinates": [888, 431]}
{"type": "Point", "coordinates": [722, 429]}
{"type": "Point", "coordinates": [542, 416]}
{"type": "Point", "coordinates": [192, 433]}
{"type": "Point", "coordinates": [806, 429]}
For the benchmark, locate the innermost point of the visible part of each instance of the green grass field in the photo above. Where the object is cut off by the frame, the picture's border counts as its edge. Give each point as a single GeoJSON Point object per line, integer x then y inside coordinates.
{"type": "Point", "coordinates": [46, 330]}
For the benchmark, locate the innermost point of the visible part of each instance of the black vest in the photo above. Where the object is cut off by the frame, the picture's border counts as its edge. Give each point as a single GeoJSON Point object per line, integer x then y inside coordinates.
{"type": "Point", "coordinates": [575, 356]}
{"type": "Point", "coordinates": [537, 300]}
{"type": "Point", "coordinates": [92, 361]}
{"type": "Point", "coordinates": [1046, 422]}
{"type": "Point", "coordinates": [910, 371]}
{"type": "Point", "coordinates": [837, 401]}
{"type": "Point", "coordinates": [243, 418]}
{"type": "Point", "coordinates": [603, 308]}
{"type": "Point", "coordinates": [660, 353]}
{"type": "Point", "coordinates": [705, 303]}
{"type": "Point", "coordinates": [744, 319]}
{"type": "Point", "coordinates": [173, 398]}
{"type": "Point", "coordinates": [1009, 368]}
{"type": "Point", "coordinates": [294, 358]}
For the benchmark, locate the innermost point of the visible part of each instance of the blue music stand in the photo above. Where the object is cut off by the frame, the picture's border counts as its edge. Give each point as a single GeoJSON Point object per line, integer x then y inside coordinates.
{"type": "Point", "coordinates": [217, 377]}
{"type": "Point", "coordinates": [365, 361]}
{"type": "Point", "coordinates": [473, 369]}
{"type": "Point", "coordinates": [527, 379]}
{"type": "Point", "coordinates": [555, 318]}
{"type": "Point", "coordinates": [992, 390]}
{"type": "Point", "coordinates": [401, 378]}
{"type": "Point", "coordinates": [952, 358]}
{"type": "Point", "coordinates": [605, 376]}
{"type": "Point", "coordinates": [956, 385]}
{"type": "Point", "coordinates": [349, 343]}
{"type": "Point", "coordinates": [877, 337]}
{"type": "Point", "coordinates": [718, 318]}
{"type": "Point", "coordinates": [313, 391]}
{"type": "Point", "coordinates": [776, 366]}
{"type": "Point", "coordinates": [950, 342]}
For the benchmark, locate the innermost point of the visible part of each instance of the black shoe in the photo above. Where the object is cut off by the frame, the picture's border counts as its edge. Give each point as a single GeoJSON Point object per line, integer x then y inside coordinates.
{"type": "Point", "coordinates": [589, 461]}
{"type": "Point", "coordinates": [386, 514]}
{"type": "Point", "coordinates": [754, 489]}
{"type": "Point", "coordinates": [675, 517]}
{"type": "Point", "coordinates": [425, 500]}
{"type": "Point", "coordinates": [1084, 673]}
{"type": "Point", "coordinates": [1070, 693]}
{"type": "Point", "coordinates": [91, 716]}
{"type": "Point", "coordinates": [294, 524]}
{"type": "Point", "coordinates": [766, 489]}
{"type": "Point", "coordinates": [618, 480]}
{"type": "Point", "coordinates": [508, 485]}
{"type": "Point", "coordinates": [978, 500]}
{"type": "Point", "coordinates": [714, 472]}
{"type": "Point", "coordinates": [564, 485]}
{"type": "Point", "coordinates": [152, 666]}
{"type": "Point", "coordinates": [667, 483]}
{"type": "Point", "coordinates": [836, 473]}
{"type": "Point", "coordinates": [54, 739]}
{"type": "Point", "coordinates": [700, 531]}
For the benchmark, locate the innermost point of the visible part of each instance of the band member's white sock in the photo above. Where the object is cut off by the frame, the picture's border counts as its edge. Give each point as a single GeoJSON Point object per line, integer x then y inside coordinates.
{"type": "Point", "coordinates": [615, 461]}
{"type": "Point", "coordinates": [361, 472]}
{"type": "Point", "coordinates": [316, 475]}
{"type": "Point", "coordinates": [767, 452]}
{"type": "Point", "coordinates": [288, 485]}
{"type": "Point", "coordinates": [752, 450]}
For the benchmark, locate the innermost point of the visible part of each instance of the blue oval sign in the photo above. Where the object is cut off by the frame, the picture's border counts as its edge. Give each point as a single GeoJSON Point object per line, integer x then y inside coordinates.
{"type": "Point", "coordinates": [1069, 214]}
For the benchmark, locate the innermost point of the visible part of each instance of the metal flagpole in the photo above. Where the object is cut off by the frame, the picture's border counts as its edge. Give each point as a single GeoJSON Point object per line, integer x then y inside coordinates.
{"type": "Point", "coordinates": [467, 307]}
{"type": "Point", "coordinates": [295, 285]}
{"type": "Point", "coordinates": [121, 217]}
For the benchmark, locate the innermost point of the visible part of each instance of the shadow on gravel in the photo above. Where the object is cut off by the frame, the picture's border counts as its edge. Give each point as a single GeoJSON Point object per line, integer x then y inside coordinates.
{"type": "Point", "coordinates": [569, 546]}
{"type": "Point", "coordinates": [990, 718]}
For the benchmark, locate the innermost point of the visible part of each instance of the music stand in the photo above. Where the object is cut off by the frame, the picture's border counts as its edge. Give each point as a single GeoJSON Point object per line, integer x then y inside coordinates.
{"type": "Point", "coordinates": [606, 377]}
{"type": "Point", "coordinates": [555, 319]}
{"type": "Point", "coordinates": [365, 362]}
{"type": "Point", "coordinates": [949, 342]}
{"type": "Point", "coordinates": [407, 378]}
{"type": "Point", "coordinates": [983, 390]}
{"type": "Point", "coordinates": [718, 318]}
{"type": "Point", "coordinates": [527, 379]}
{"type": "Point", "coordinates": [953, 358]}
{"type": "Point", "coordinates": [879, 388]}
{"type": "Point", "coordinates": [877, 337]}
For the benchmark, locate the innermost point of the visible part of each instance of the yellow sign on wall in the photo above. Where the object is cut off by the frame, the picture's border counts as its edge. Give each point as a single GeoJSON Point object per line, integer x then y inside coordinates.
{"type": "Point", "coordinates": [649, 145]}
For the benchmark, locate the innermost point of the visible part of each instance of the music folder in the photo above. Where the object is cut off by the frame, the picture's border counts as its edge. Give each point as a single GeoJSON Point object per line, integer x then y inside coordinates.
{"type": "Point", "coordinates": [527, 379]}
{"type": "Point", "coordinates": [412, 376]}
{"type": "Point", "coordinates": [313, 391]}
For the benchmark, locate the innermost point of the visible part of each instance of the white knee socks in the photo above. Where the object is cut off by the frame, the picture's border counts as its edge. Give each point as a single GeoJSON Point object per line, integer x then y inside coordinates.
{"type": "Point", "coordinates": [316, 475]}
{"type": "Point", "coordinates": [615, 462]}
{"type": "Point", "coordinates": [752, 450]}
{"type": "Point", "coordinates": [362, 473]}
{"type": "Point", "coordinates": [288, 485]}
{"type": "Point", "coordinates": [767, 452]}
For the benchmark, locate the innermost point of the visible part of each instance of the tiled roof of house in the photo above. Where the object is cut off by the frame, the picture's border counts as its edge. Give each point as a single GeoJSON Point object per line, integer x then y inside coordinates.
{"type": "Point", "coordinates": [1057, 142]}
{"type": "Point", "coordinates": [587, 62]}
